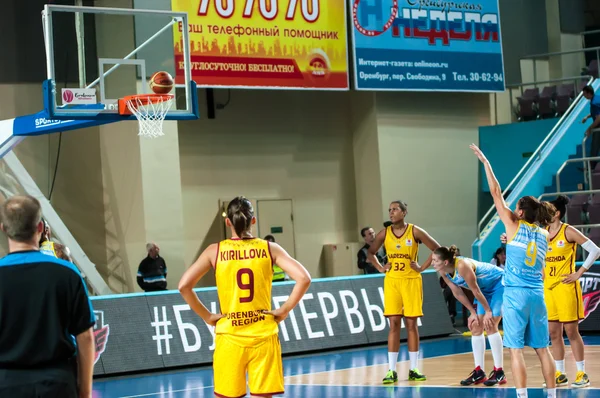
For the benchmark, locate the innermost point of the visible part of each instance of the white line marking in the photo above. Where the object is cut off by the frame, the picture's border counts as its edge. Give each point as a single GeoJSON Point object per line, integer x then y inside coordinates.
{"type": "Point", "coordinates": [167, 392]}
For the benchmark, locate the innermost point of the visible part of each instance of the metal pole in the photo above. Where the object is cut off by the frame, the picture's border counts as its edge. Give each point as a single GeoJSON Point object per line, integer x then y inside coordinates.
{"type": "Point", "coordinates": [131, 54]}
{"type": "Point", "coordinates": [79, 29]}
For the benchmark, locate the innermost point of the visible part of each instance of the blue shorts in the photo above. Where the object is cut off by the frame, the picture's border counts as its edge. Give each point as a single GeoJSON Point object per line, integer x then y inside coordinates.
{"type": "Point", "coordinates": [494, 300]}
{"type": "Point", "coordinates": [525, 318]}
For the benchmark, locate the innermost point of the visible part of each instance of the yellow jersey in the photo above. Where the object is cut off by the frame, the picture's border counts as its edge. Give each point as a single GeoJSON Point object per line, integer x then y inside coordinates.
{"type": "Point", "coordinates": [560, 258]}
{"type": "Point", "coordinates": [244, 274]}
{"type": "Point", "coordinates": [47, 247]}
{"type": "Point", "coordinates": [401, 250]}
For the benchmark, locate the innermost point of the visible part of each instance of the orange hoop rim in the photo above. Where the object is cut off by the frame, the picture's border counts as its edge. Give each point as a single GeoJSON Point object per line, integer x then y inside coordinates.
{"type": "Point", "coordinates": [144, 99]}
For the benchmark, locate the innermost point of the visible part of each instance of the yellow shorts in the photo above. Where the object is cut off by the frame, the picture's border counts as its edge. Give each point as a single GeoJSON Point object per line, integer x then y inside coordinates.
{"type": "Point", "coordinates": [403, 296]}
{"type": "Point", "coordinates": [564, 302]}
{"type": "Point", "coordinates": [262, 361]}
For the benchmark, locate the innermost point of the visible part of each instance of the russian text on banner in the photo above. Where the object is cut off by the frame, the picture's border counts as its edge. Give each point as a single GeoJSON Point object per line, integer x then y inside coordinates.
{"type": "Point", "coordinates": [435, 45]}
{"type": "Point", "coordinates": [265, 43]}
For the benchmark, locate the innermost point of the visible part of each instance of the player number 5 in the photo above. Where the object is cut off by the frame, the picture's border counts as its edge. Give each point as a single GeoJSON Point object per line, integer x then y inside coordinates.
{"type": "Point", "coordinates": [531, 254]}
{"type": "Point", "coordinates": [246, 286]}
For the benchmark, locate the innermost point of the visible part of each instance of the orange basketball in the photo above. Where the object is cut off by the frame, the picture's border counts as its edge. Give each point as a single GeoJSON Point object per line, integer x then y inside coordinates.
{"type": "Point", "coordinates": [161, 82]}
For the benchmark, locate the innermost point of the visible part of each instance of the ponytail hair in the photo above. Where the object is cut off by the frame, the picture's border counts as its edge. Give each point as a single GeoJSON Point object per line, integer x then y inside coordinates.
{"type": "Point", "coordinates": [546, 213]}
{"type": "Point", "coordinates": [240, 212]}
{"type": "Point", "coordinates": [446, 253]}
{"type": "Point", "coordinates": [561, 203]}
{"type": "Point", "coordinates": [536, 211]}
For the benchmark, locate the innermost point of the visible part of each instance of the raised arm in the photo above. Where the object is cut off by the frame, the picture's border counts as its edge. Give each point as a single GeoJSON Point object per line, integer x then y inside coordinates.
{"type": "Point", "coordinates": [506, 215]}
{"type": "Point", "coordinates": [374, 248]}
{"type": "Point", "coordinates": [422, 236]}
{"type": "Point", "coordinates": [191, 277]}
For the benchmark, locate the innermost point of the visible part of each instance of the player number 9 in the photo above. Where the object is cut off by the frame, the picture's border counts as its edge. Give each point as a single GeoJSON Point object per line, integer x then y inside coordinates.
{"type": "Point", "coordinates": [246, 286]}
{"type": "Point", "coordinates": [531, 254]}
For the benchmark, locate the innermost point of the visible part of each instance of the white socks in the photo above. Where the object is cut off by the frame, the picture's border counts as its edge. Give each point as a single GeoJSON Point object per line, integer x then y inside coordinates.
{"type": "Point", "coordinates": [414, 359]}
{"type": "Point", "coordinates": [551, 393]}
{"type": "Point", "coordinates": [496, 345]}
{"type": "Point", "coordinates": [392, 359]}
{"type": "Point", "coordinates": [580, 366]}
{"type": "Point", "coordinates": [560, 366]}
{"type": "Point", "coordinates": [478, 343]}
{"type": "Point", "coordinates": [522, 393]}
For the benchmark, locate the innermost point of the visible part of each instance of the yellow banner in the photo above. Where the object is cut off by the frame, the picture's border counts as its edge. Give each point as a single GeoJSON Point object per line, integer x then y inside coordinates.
{"type": "Point", "coordinates": [265, 43]}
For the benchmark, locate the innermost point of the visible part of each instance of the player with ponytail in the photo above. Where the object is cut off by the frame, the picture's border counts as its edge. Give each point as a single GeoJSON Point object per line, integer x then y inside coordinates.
{"type": "Point", "coordinates": [562, 291]}
{"type": "Point", "coordinates": [523, 306]}
{"type": "Point", "coordinates": [485, 281]}
{"type": "Point", "coordinates": [246, 330]}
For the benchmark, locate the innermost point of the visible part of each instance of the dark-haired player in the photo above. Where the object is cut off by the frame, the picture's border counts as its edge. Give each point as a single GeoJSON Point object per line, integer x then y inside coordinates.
{"type": "Point", "coordinates": [403, 285]}
{"type": "Point", "coordinates": [485, 281]}
{"type": "Point", "coordinates": [562, 292]}
{"type": "Point", "coordinates": [47, 246]}
{"type": "Point", "coordinates": [523, 307]}
{"type": "Point", "coordinates": [246, 329]}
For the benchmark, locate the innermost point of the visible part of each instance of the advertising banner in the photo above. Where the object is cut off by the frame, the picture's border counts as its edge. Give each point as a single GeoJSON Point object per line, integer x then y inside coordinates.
{"type": "Point", "coordinates": [436, 45]}
{"type": "Point", "coordinates": [140, 332]}
{"type": "Point", "coordinates": [265, 43]}
{"type": "Point", "coordinates": [590, 289]}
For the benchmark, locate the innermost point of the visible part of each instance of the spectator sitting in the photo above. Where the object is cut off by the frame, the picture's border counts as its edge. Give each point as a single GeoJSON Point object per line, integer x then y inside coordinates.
{"type": "Point", "coordinates": [368, 235]}
{"type": "Point", "coordinates": [152, 272]}
{"type": "Point", "coordinates": [279, 274]}
{"type": "Point", "coordinates": [500, 257]}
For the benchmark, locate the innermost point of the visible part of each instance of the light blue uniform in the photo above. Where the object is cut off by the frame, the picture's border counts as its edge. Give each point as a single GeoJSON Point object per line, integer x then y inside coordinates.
{"type": "Point", "coordinates": [525, 315]}
{"type": "Point", "coordinates": [489, 279]}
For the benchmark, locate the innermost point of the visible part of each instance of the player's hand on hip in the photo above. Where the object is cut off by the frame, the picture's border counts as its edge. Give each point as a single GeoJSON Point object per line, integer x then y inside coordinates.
{"type": "Point", "coordinates": [279, 314]}
{"type": "Point", "coordinates": [214, 318]}
{"type": "Point", "coordinates": [571, 278]}
{"type": "Point", "coordinates": [415, 266]}
{"type": "Point", "coordinates": [386, 268]}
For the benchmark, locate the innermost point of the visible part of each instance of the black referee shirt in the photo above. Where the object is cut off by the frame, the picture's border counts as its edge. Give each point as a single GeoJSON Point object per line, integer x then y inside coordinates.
{"type": "Point", "coordinates": [44, 304]}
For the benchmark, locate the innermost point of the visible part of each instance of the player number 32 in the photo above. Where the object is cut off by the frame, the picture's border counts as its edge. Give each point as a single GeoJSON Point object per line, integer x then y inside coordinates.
{"type": "Point", "coordinates": [399, 266]}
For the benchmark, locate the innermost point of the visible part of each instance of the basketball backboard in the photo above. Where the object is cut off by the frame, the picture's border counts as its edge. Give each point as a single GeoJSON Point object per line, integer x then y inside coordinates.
{"type": "Point", "coordinates": [116, 51]}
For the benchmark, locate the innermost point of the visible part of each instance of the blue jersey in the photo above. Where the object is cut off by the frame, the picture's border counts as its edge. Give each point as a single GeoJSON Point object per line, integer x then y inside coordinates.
{"type": "Point", "coordinates": [489, 277]}
{"type": "Point", "coordinates": [526, 257]}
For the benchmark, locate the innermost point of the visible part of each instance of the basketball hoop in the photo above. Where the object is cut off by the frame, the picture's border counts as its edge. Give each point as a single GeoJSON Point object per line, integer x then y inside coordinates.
{"type": "Point", "coordinates": [150, 111]}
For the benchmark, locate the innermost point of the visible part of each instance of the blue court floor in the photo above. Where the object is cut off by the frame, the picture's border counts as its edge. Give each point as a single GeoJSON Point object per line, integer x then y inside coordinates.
{"type": "Point", "coordinates": [198, 382]}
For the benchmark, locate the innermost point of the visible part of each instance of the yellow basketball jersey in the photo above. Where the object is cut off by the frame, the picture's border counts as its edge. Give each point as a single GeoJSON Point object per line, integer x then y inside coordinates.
{"type": "Point", "coordinates": [244, 274]}
{"type": "Point", "coordinates": [47, 247]}
{"type": "Point", "coordinates": [401, 250]}
{"type": "Point", "coordinates": [560, 258]}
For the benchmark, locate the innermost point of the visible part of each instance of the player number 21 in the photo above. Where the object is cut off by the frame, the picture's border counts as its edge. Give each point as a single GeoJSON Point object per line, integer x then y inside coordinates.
{"type": "Point", "coordinates": [249, 285]}
{"type": "Point", "coordinates": [531, 254]}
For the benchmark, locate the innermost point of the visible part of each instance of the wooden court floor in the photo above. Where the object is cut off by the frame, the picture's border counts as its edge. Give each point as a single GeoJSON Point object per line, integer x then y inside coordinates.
{"type": "Point", "coordinates": [448, 371]}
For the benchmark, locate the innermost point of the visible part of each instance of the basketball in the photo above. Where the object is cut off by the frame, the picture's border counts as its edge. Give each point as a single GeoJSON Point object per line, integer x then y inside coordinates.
{"type": "Point", "coordinates": [161, 83]}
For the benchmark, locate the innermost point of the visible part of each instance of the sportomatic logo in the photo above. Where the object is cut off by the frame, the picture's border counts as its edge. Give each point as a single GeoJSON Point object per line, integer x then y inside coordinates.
{"type": "Point", "coordinates": [590, 286]}
{"type": "Point", "coordinates": [101, 332]}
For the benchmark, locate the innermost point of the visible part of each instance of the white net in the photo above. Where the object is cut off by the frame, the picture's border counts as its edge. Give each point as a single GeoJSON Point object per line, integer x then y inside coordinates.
{"type": "Point", "coordinates": [150, 114]}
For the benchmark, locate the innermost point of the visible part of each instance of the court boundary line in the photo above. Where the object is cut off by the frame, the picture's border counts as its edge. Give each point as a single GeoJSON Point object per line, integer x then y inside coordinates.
{"type": "Point", "coordinates": [441, 386]}
{"type": "Point", "coordinates": [167, 392]}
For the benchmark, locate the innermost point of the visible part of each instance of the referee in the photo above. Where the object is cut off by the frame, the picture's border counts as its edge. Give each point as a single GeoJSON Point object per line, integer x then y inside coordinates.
{"type": "Point", "coordinates": [43, 304]}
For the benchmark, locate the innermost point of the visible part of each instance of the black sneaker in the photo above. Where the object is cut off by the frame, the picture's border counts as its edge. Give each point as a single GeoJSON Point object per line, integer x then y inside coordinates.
{"type": "Point", "coordinates": [477, 376]}
{"type": "Point", "coordinates": [496, 377]}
